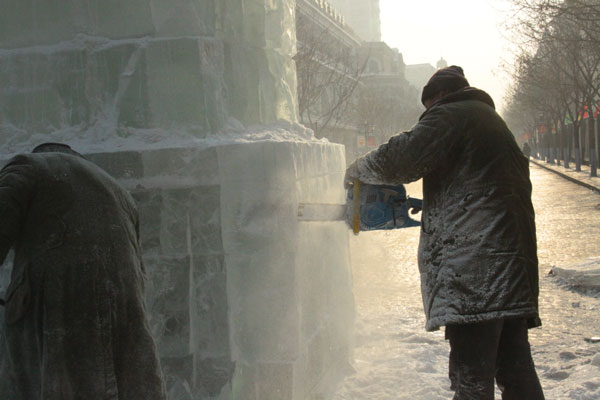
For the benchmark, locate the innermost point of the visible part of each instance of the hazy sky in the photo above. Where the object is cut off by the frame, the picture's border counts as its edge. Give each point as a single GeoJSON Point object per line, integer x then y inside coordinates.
{"type": "Point", "coordinates": [464, 32]}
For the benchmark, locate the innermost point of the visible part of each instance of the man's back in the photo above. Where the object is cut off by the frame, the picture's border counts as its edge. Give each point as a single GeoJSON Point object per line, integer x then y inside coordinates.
{"type": "Point", "coordinates": [77, 283]}
{"type": "Point", "coordinates": [481, 148]}
{"type": "Point", "coordinates": [477, 253]}
{"type": "Point", "coordinates": [77, 207]}
{"type": "Point", "coordinates": [478, 239]}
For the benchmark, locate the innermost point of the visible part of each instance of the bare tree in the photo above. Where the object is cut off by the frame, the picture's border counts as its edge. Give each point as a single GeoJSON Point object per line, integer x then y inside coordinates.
{"type": "Point", "coordinates": [530, 18]}
{"type": "Point", "coordinates": [383, 111]}
{"type": "Point", "coordinates": [557, 73]}
{"type": "Point", "coordinates": [329, 72]}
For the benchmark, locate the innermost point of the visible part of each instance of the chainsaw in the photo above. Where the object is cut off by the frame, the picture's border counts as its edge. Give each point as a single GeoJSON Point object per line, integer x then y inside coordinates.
{"type": "Point", "coordinates": [367, 208]}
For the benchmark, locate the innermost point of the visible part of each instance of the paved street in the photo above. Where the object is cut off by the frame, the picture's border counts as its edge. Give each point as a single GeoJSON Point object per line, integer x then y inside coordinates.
{"type": "Point", "coordinates": [396, 359]}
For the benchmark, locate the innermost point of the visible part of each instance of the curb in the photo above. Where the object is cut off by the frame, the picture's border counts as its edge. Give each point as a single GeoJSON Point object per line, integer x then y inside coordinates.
{"type": "Point", "coordinates": [567, 177]}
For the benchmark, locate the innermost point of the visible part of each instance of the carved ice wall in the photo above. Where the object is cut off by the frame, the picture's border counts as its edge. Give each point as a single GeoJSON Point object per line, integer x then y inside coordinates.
{"type": "Point", "coordinates": [98, 69]}
{"type": "Point", "coordinates": [245, 301]}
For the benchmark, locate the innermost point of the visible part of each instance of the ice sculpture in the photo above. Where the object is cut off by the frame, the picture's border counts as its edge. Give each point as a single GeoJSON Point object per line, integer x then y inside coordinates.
{"type": "Point", "coordinates": [191, 104]}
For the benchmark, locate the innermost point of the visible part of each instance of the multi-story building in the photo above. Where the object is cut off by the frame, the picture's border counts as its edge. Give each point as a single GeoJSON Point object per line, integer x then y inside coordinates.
{"type": "Point", "coordinates": [363, 16]}
{"type": "Point", "coordinates": [388, 102]}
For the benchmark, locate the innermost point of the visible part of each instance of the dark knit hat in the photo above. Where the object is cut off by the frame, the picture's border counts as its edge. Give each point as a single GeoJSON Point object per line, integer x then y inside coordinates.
{"type": "Point", "coordinates": [448, 79]}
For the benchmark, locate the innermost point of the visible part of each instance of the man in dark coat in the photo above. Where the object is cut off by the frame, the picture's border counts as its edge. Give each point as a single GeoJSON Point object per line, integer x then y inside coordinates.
{"type": "Point", "coordinates": [477, 250]}
{"type": "Point", "coordinates": [75, 320]}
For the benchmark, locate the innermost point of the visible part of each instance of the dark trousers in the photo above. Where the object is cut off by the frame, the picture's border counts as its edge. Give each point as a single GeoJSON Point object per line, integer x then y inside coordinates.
{"type": "Point", "coordinates": [484, 351]}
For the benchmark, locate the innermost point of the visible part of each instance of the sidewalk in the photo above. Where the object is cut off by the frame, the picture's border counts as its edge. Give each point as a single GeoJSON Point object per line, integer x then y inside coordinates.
{"type": "Point", "coordinates": [581, 178]}
{"type": "Point", "coordinates": [586, 273]}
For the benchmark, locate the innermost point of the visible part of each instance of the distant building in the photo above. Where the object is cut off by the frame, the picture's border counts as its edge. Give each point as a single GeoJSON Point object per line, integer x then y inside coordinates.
{"type": "Point", "coordinates": [382, 59]}
{"type": "Point", "coordinates": [441, 63]}
{"type": "Point", "coordinates": [362, 16]}
{"type": "Point", "coordinates": [388, 103]}
{"type": "Point", "coordinates": [321, 18]}
{"type": "Point", "coordinates": [418, 74]}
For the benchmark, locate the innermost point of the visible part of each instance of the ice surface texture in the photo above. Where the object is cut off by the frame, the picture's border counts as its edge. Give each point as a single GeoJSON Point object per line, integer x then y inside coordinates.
{"type": "Point", "coordinates": [246, 301]}
{"type": "Point", "coordinates": [96, 70]}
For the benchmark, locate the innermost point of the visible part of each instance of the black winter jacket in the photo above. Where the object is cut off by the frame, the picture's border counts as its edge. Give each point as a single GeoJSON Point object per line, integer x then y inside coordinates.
{"type": "Point", "coordinates": [75, 319]}
{"type": "Point", "coordinates": [477, 251]}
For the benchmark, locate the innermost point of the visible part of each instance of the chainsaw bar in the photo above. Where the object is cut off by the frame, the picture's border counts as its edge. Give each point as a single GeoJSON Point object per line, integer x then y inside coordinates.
{"type": "Point", "coordinates": [321, 212]}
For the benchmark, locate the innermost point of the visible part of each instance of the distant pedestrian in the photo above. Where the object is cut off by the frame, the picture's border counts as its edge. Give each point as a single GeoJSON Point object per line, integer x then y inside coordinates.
{"type": "Point", "coordinates": [477, 252]}
{"type": "Point", "coordinates": [75, 321]}
{"type": "Point", "coordinates": [526, 150]}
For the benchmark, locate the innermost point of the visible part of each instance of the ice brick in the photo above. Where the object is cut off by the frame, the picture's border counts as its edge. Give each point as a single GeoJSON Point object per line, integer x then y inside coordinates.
{"type": "Point", "coordinates": [183, 162]}
{"type": "Point", "coordinates": [178, 373]}
{"type": "Point", "coordinates": [40, 22]}
{"type": "Point", "coordinates": [213, 376]}
{"type": "Point", "coordinates": [184, 17]}
{"type": "Point", "coordinates": [120, 165]}
{"type": "Point", "coordinates": [149, 204]}
{"type": "Point", "coordinates": [263, 308]}
{"type": "Point", "coordinates": [264, 381]}
{"type": "Point", "coordinates": [209, 308]}
{"type": "Point", "coordinates": [99, 89]}
{"type": "Point", "coordinates": [167, 296]}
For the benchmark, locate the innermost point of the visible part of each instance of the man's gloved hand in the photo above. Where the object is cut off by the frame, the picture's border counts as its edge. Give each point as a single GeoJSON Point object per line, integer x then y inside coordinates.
{"type": "Point", "coordinates": [351, 175]}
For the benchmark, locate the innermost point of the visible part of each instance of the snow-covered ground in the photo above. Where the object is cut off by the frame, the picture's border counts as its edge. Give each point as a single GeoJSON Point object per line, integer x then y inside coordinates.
{"type": "Point", "coordinates": [396, 359]}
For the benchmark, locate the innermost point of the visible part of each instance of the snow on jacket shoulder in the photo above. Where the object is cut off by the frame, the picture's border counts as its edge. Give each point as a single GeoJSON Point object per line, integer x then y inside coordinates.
{"type": "Point", "coordinates": [477, 251]}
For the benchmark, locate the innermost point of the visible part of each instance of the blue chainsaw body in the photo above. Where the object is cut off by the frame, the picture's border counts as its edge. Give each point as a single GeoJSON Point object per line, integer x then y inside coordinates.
{"type": "Point", "coordinates": [383, 207]}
